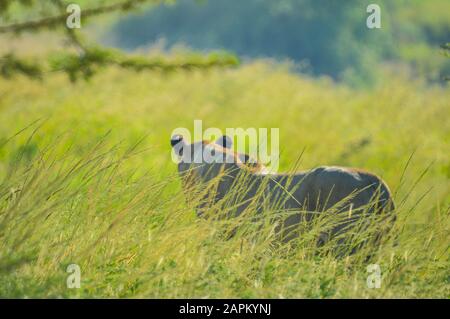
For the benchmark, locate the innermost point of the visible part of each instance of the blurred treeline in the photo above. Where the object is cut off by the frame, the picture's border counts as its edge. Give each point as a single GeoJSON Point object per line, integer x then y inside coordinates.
{"type": "Point", "coordinates": [325, 37]}
{"type": "Point", "coordinates": [78, 53]}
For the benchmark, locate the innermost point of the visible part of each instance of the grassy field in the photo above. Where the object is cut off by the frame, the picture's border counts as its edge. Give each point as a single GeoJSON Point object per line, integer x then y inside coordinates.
{"type": "Point", "coordinates": [87, 178]}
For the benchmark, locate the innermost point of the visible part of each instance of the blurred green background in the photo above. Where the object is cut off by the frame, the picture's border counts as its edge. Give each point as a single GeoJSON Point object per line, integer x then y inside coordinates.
{"type": "Point", "coordinates": [321, 37]}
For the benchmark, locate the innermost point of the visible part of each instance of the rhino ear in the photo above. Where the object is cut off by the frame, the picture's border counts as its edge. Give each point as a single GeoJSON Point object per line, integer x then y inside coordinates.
{"type": "Point", "coordinates": [225, 141]}
{"type": "Point", "coordinates": [177, 143]}
{"type": "Point", "coordinates": [248, 160]}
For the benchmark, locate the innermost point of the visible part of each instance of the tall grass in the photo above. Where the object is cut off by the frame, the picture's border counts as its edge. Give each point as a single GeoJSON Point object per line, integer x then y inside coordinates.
{"type": "Point", "coordinates": [112, 203]}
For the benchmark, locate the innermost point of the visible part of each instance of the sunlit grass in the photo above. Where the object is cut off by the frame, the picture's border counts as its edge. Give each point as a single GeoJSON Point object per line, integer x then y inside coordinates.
{"type": "Point", "coordinates": [92, 183]}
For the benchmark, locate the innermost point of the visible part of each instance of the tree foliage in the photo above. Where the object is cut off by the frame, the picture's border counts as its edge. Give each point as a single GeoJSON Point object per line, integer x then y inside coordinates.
{"type": "Point", "coordinates": [11, 65]}
{"type": "Point", "coordinates": [91, 58]}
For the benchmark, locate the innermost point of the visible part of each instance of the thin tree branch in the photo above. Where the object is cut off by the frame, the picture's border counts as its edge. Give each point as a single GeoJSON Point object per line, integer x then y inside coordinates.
{"type": "Point", "coordinates": [48, 22]}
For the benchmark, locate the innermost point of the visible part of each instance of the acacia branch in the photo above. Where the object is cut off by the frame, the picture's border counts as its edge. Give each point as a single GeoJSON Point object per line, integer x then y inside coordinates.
{"type": "Point", "coordinates": [84, 66]}
{"type": "Point", "coordinates": [49, 22]}
{"type": "Point", "coordinates": [90, 59]}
